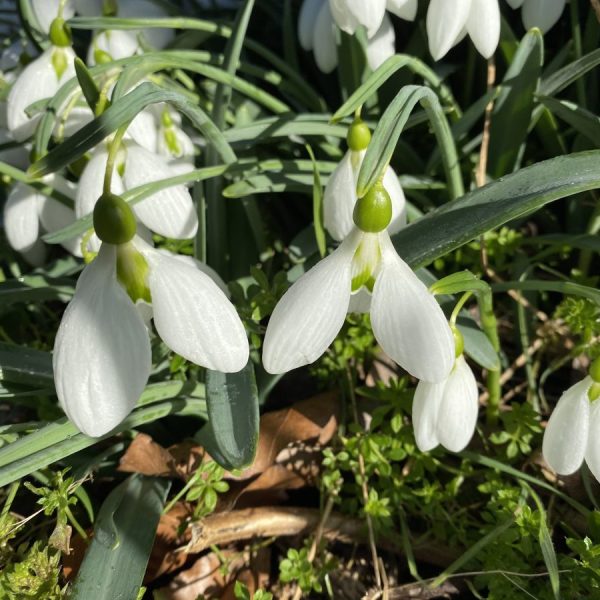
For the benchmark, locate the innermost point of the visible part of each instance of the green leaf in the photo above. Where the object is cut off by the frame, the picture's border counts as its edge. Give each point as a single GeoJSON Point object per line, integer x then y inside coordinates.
{"type": "Point", "coordinates": [232, 402]}
{"type": "Point", "coordinates": [570, 73]}
{"type": "Point", "coordinates": [478, 345]}
{"type": "Point", "coordinates": [25, 365]}
{"type": "Point", "coordinates": [493, 205]}
{"type": "Point", "coordinates": [116, 560]}
{"type": "Point", "coordinates": [352, 53]}
{"type": "Point", "coordinates": [583, 121]}
{"type": "Point", "coordinates": [514, 105]}
{"type": "Point", "coordinates": [562, 287]}
{"type": "Point", "coordinates": [87, 84]}
{"type": "Point", "coordinates": [318, 206]}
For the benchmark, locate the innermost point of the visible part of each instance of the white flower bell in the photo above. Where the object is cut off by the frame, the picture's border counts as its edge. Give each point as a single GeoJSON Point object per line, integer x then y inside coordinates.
{"type": "Point", "coordinates": [543, 14]}
{"type": "Point", "coordinates": [340, 196]}
{"type": "Point", "coordinates": [449, 21]}
{"type": "Point", "coordinates": [571, 435]}
{"type": "Point", "coordinates": [102, 351]}
{"type": "Point", "coordinates": [407, 321]}
{"type": "Point", "coordinates": [446, 412]}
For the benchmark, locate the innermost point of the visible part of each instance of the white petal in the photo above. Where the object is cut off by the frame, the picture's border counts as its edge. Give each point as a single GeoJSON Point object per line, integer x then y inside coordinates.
{"type": "Point", "coordinates": [91, 183]}
{"type": "Point", "coordinates": [169, 212]}
{"type": "Point", "coordinates": [592, 452]}
{"type": "Point", "coordinates": [311, 313]}
{"type": "Point", "coordinates": [102, 352]}
{"type": "Point", "coordinates": [324, 41]}
{"type": "Point", "coordinates": [360, 302]}
{"type": "Point", "coordinates": [407, 321]}
{"type": "Point", "coordinates": [78, 117]}
{"type": "Point", "coordinates": [382, 45]}
{"type": "Point", "coordinates": [483, 25]}
{"type": "Point", "coordinates": [21, 221]}
{"type": "Point", "coordinates": [54, 215]}
{"type": "Point", "coordinates": [307, 21]}
{"type": "Point", "coordinates": [144, 130]}
{"type": "Point", "coordinates": [542, 13]}
{"type": "Point", "coordinates": [457, 415]}
{"type": "Point", "coordinates": [349, 14]}
{"type": "Point", "coordinates": [340, 196]}
{"type": "Point", "coordinates": [405, 9]}
{"type": "Point", "coordinates": [445, 21]}
{"type": "Point", "coordinates": [193, 316]}
{"type": "Point", "coordinates": [117, 43]}
{"type": "Point", "coordinates": [394, 189]}
{"type": "Point", "coordinates": [426, 405]}
{"type": "Point", "coordinates": [566, 435]}
{"type": "Point", "coordinates": [46, 11]}
{"type": "Point", "coordinates": [515, 3]}
{"type": "Point", "coordinates": [157, 38]}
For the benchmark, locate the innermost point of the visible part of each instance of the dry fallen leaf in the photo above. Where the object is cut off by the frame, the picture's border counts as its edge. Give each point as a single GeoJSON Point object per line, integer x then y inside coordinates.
{"type": "Point", "coordinates": [147, 457]}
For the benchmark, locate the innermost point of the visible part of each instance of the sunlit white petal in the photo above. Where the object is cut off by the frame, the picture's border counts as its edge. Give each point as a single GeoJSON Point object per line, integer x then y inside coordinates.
{"type": "Point", "coordinates": [542, 13]}
{"type": "Point", "coordinates": [46, 11]}
{"type": "Point", "coordinates": [405, 9]}
{"type": "Point", "coordinates": [340, 196]}
{"type": "Point", "coordinates": [307, 21]}
{"type": "Point", "coordinates": [445, 21]}
{"type": "Point", "coordinates": [483, 26]}
{"type": "Point", "coordinates": [426, 406]}
{"type": "Point", "coordinates": [350, 14]}
{"type": "Point", "coordinates": [394, 189]}
{"type": "Point", "coordinates": [324, 41]}
{"type": "Point", "coordinates": [592, 451]}
{"type": "Point", "coordinates": [382, 45]}
{"type": "Point", "coordinates": [21, 222]}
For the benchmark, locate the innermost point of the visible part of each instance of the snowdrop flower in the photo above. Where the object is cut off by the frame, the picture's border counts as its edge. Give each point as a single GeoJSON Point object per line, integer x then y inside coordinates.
{"type": "Point", "coordinates": [351, 14]}
{"type": "Point", "coordinates": [571, 435]}
{"type": "Point", "coordinates": [543, 14]}
{"type": "Point", "coordinates": [407, 321]}
{"type": "Point", "coordinates": [448, 22]}
{"type": "Point", "coordinates": [27, 211]}
{"type": "Point", "coordinates": [446, 412]}
{"type": "Point", "coordinates": [102, 355]}
{"type": "Point", "coordinates": [340, 197]}
{"type": "Point", "coordinates": [46, 11]}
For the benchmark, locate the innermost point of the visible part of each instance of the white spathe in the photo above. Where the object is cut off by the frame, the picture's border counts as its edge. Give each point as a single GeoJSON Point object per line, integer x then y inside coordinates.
{"type": "Point", "coordinates": [340, 197]}
{"type": "Point", "coordinates": [407, 321]}
{"type": "Point", "coordinates": [447, 23]}
{"type": "Point", "coordinates": [446, 412]}
{"type": "Point", "coordinates": [543, 14]}
{"type": "Point", "coordinates": [37, 81]}
{"type": "Point", "coordinates": [572, 432]}
{"type": "Point", "coordinates": [102, 353]}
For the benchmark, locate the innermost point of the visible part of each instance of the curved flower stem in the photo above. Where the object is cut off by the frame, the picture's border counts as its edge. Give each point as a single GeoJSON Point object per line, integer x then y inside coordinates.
{"type": "Point", "coordinates": [490, 328]}
{"type": "Point", "coordinates": [113, 149]}
{"type": "Point", "coordinates": [458, 307]}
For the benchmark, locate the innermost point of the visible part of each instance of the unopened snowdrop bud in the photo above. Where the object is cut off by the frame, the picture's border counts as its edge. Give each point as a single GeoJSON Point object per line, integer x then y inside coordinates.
{"type": "Point", "coordinates": [114, 220]}
{"type": "Point", "coordinates": [60, 33]}
{"type": "Point", "coordinates": [373, 212]}
{"type": "Point", "coordinates": [359, 135]}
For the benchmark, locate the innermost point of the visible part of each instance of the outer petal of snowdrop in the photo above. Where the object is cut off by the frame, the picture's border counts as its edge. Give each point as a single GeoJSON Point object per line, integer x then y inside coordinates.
{"type": "Point", "coordinates": [340, 197]}
{"type": "Point", "coordinates": [350, 14]}
{"type": "Point", "coordinates": [360, 302]}
{"type": "Point", "coordinates": [118, 44]}
{"type": "Point", "coordinates": [307, 21]}
{"type": "Point", "coordinates": [143, 130]}
{"type": "Point", "coordinates": [392, 185]}
{"type": "Point", "coordinates": [445, 23]}
{"type": "Point", "coordinates": [169, 212]}
{"type": "Point", "coordinates": [405, 9]}
{"type": "Point", "coordinates": [542, 13]}
{"type": "Point", "coordinates": [382, 45]}
{"type": "Point", "coordinates": [311, 313]}
{"type": "Point", "coordinates": [592, 452]}
{"type": "Point", "coordinates": [101, 355]}
{"type": "Point", "coordinates": [37, 81]}
{"type": "Point", "coordinates": [54, 215]}
{"type": "Point", "coordinates": [457, 415]}
{"type": "Point", "coordinates": [407, 321]}
{"type": "Point", "coordinates": [426, 406]}
{"type": "Point", "coordinates": [566, 435]}
{"type": "Point", "coordinates": [483, 26]}
{"type": "Point", "coordinates": [193, 316]}
{"type": "Point", "coordinates": [157, 38]}
{"type": "Point", "coordinates": [47, 10]}
{"type": "Point", "coordinates": [21, 222]}
{"type": "Point", "coordinates": [324, 41]}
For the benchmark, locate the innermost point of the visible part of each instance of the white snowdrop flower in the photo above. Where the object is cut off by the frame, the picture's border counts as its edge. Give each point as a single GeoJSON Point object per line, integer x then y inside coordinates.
{"type": "Point", "coordinates": [448, 22]}
{"type": "Point", "coordinates": [446, 412]}
{"type": "Point", "coordinates": [169, 212]}
{"type": "Point", "coordinates": [351, 14]}
{"type": "Point", "coordinates": [28, 213]}
{"type": "Point", "coordinates": [40, 79]}
{"type": "Point", "coordinates": [102, 356]}
{"type": "Point", "coordinates": [543, 14]}
{"type": "Point", "coordinates": [407, 321]}
{"type": "Point", "coordinates": [571, 435]}
{"type": "Point", "coordinates": [45, 11]}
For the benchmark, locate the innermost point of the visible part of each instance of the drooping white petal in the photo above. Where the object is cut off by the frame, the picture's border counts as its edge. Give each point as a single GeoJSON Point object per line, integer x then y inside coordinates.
{"type": "Point", "coordinates": [515, 3]}
{"type": "Point", "coordinates": [405, 9]}
{"type": "Point", "coordinates": [394, 189]}
{"type": "Point", "coordinates": [46, 11]}
{"type": "Point", "coordinates": [193, 316]}
{"type": "Point", "coordinates": [445, 21]}
{"type": "Point", "coordinates": [78, 117]}
{"type": "Point", "coordinates": [143, 130]}
{"type": "Point", "coordinates": [54, 216]}
{"type": "Point", "coordinates": [102, 353]}
{"type": "Point", "coordinates": [592, 452]}
{"type": "Point", "coordinates": [350, 14]}
{"type": "Point", "coordinates": [360, 301]}
{"type": "Point", "coordinates": [426, 405]}
{"type": "Point", "coordinates": [169, 212]}
{"type": "Point", "coordinates": [324, 41]}
{"type": "Point", "coordinates": [311, 313]}
{"type": "Point", "coordinates": [567, 432]}
{"type": "Point", "coordinates": [117, 43]}
{"type": "Point", "coordinates": [457, 414]}
{"type": "Point", "coordinates": [407, 321]}
{"type": "Point", "coordinates": [483, 26]}
{"type": "Point", "coordinates": [155, 37]}
{"type": "Point", "coordinates": [340, 196]}
{"type": "Point", "coordinates": [307, 21]}
{"type": "Point", "coordinates": [21, 221]}
{"type": "Point", "coordinates": [37, 81]}
{"type": "Point", "coordinates": [382, 45]}
{"type": "Point", "coordinates": [542, 13]}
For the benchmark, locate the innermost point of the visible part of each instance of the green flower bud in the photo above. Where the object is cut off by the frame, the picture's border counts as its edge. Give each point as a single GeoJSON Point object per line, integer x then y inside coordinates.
{"type": "Point", "coordinates": [60, 33]}
{"type": "Point", "coordinates": [114, 221]}
{"type": "Point", "coordinates": [101, 57]}
{"type": "Point", "coordinates": [459, 341]}
{"type": "Point", "coordinates": [594, 392]}
{"type": "Point", "coordinates": [359, 135]}
{"type": "Point", "coordinates": [132, 273]}
{"type": "Point", "coordinates": [373, 212]}
{"type": "Point", "coordinates": [595, 370]}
